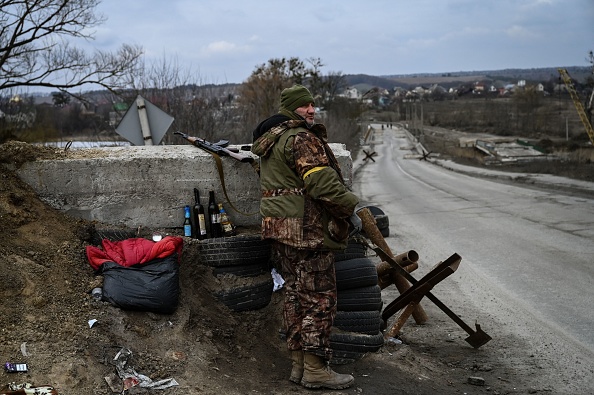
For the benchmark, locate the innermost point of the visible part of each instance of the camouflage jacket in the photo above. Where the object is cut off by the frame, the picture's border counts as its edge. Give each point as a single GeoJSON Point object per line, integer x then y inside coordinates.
{"type": "Point", "coordinates": [305, 203]}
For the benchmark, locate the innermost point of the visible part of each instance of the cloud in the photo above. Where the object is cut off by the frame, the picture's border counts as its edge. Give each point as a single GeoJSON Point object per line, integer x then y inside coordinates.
{"type": "Point", "coordinates": [231, 37]}
{"type": "Point", "coordinates": [519, 32]}
{"type": "Point", "coordinates": [541, 2]}
{"type": "Point", "coordinates": [223, 47]}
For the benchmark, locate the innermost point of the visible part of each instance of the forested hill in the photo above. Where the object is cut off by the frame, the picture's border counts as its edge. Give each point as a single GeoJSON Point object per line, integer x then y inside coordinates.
{"type": "Point", "coordinates": [578, 73]}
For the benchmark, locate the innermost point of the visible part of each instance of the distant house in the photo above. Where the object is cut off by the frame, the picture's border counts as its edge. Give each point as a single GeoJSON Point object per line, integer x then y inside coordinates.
{"type": "Point", "coordinates": [45, 99]}
{"type": "Point", "coordinates": [399, 92]}
{"type": "Point", "coordinates": [117, 113]}
{"type": "Point", "coordinates": [411, 96]}
{"type": "Point", "coordinates": [479, 88]}
{"type": "Point", "coordinates": [420, 91]}
{"type": "Point", "coordinates": [509, 88]}
{"type": "Point", "coordinates": [88, 108]}
{"type": "Point", "coordinates": [351, 93]}
{"type": "Point", "coordinates": [437, 89]}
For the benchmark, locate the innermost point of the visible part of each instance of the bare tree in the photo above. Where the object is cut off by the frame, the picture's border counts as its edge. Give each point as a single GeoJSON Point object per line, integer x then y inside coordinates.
{"type": "Point", "coordinates": [259, 95]}
{"type": "Point", "coordinates": [35, 51]}
{"type": "Point", "coordinates": [203, 110]}
{"type": "Point", "coordinates": [315, 80]}
{"type": "Point", "coordinates": [341, 121]}
{"type": "Point", "coordinates": [334, 83]}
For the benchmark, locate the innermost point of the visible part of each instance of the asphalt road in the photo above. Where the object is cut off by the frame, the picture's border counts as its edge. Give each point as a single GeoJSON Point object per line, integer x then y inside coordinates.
{"type": "Point", "coordinates": [525, 250]}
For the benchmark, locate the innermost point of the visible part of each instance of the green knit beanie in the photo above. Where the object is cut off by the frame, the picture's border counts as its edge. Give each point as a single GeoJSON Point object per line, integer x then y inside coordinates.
{"type": "Point", "coordinates": [295, 97]}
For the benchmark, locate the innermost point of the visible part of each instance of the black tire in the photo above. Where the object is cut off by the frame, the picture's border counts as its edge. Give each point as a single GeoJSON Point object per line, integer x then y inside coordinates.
{"type": "Point", "coordinates": [365, 322]}
{"type": "Point", "coordinates": [353, 250]}
{"type": "Point", "coordinates": [355, 246]}
{"type": "Point", "coordinates": [383, 224]}
{"type": "Point", "coordinates": [234, 251]}
{"type": "Point", "coordinates": [355, 273]}
{"type": "Point", "coordinates": [382, 221]}
{"type": "Point", "coordinates": [340, 357]}
{"type": "Point", "coordinates": [252, 297]}
{"type": "Point", "coordinates": [345, 256]}
{"type": "Point", "coordinates": [360, 299]}
{"type": "Point", "coordinates": [375, 211]}
{"type": "Point", "coordinates": [356, 342]}
{"type": "Point", "coordinates": [253, 270]}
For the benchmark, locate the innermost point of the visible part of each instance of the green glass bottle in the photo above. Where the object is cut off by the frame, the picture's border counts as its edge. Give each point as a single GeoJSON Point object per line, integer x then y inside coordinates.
{"type": "Point", "coordinates": [199, 218]}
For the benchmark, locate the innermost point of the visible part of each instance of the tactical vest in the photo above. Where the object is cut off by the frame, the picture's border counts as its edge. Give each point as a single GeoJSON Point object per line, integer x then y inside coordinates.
{"type": "Point", "coordinates": [288, 214]}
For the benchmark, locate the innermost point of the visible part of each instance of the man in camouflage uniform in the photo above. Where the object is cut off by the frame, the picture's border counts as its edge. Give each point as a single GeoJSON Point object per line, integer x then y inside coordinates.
{"type": "Point", "coordinates": [306, 210]}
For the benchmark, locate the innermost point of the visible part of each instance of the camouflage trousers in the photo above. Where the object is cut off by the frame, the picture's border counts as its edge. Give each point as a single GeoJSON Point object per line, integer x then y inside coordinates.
{"type": "Point", "coordinates": [310, 298]}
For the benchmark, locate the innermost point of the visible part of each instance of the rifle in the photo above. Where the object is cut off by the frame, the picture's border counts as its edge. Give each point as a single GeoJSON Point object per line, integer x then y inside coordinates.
{"type": "Point", "coordinates": [219, 148]}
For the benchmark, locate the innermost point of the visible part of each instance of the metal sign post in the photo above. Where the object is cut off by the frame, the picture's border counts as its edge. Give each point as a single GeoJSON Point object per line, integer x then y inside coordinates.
{"type": "Point", "coordinates": [144, 122]}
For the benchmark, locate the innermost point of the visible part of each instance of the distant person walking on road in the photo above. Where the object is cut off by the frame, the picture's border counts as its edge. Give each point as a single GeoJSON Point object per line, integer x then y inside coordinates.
{"type": "Point", "coordinates": [307, 212]}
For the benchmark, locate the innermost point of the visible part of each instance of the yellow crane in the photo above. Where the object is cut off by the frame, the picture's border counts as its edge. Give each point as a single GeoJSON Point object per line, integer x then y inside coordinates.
{"type": "Point", "coordinates": [578, 105]}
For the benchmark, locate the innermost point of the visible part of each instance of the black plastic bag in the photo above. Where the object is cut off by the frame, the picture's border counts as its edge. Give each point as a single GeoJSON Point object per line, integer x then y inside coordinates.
{"type": "Point", "coordinates": [151, 286]}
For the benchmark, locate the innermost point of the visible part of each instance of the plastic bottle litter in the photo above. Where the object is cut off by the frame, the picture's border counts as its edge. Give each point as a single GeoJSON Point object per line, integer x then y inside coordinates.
{"type": "Point", "coordinates": [24, 349]}
{"type": "Point", "coordinates": [28, 388]}
{"type": "Point", "coordinates": [10, 367]}
{"type": "Point", "coordinates": [133, 378]}
{"type": "Point", "coordinates": [393, 341]}
{"type": "Point", "coordinates": [97, 294]}
{"type": "Point", "coordinates": [277, 279]}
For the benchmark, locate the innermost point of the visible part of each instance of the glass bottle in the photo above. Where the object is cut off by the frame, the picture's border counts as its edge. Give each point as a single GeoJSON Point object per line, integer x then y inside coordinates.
{"type": "Point", "coordinates": [199, 219]}
{"type": "Point", "coordinates": [187, 222]}
{"type": "Point", "coordinates": [226, 226]}
{"type": "Point", "coordinates": [213, 216]}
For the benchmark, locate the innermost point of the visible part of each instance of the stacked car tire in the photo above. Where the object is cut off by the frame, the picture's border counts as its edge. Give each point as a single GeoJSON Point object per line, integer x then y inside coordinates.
{"type": "Point", "coordinates": [358, 318]}
{"type": "Point", "coordinates": [356, 329]}
{"type": "Point", "coordinates": [381, 220]}
{"type": "Point", "coordinates": [246, 257]}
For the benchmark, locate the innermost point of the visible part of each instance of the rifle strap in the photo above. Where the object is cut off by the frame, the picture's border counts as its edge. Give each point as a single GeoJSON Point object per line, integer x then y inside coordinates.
{"type": "Point", "coordinates": [219, 163]}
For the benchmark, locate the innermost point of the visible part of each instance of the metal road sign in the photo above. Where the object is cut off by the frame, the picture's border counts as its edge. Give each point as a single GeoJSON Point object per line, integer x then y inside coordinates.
{"type": "Point", "coordinates": [144, 123]}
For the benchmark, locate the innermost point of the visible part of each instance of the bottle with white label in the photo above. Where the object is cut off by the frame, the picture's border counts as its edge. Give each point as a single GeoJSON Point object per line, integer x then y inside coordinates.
{"type": "Point", "coordinates": [214, 217]}
{"type": "Point", "coordinates": [226, 225]}
{"type": "Point", "coordinates": [199, 217]}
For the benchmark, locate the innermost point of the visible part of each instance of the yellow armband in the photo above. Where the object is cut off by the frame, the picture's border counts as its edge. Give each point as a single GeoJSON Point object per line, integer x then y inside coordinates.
{"type": "Point", "coordinates": [315, 169]}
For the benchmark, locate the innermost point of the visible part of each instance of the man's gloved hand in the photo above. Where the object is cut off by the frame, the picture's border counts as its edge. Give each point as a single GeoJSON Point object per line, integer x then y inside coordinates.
{"type": "Point", "coordinates": [356, 223]}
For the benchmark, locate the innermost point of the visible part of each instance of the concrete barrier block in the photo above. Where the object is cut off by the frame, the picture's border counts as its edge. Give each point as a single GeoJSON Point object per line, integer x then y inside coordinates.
{"type": "Point", "coordinates": [148, 186]}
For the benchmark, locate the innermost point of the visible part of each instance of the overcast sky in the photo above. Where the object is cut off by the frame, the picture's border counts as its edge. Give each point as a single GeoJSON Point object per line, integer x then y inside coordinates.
{"type": "Point", "coordinates": [222, 41]}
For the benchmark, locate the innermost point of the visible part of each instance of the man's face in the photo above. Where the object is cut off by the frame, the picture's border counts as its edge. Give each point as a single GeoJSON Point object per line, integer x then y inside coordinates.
{"type": "Point", "coordinates": [307, 112]}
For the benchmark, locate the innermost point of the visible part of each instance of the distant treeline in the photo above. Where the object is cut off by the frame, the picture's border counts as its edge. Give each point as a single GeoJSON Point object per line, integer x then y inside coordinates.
{"type": "Point", "coordinates": [578, 73]}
